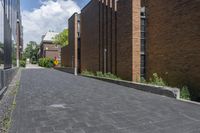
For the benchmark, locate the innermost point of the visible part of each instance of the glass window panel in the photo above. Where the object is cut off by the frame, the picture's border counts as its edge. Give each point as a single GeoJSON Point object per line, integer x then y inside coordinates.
{"type": "Point", "coordinates": [142, 34]}
{"type": "Point", "coordinates": [143, 28]}
{"type": "Point", "coordinates": [143, 21]}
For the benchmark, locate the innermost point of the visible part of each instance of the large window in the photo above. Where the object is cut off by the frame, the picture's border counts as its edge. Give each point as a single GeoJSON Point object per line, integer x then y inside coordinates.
{"type": "Point", "coordinates": [9, 14]}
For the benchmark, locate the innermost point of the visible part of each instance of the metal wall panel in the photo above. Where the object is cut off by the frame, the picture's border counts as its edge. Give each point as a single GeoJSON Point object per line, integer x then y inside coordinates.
{"type": "Point", "coordinates": [9, 15]}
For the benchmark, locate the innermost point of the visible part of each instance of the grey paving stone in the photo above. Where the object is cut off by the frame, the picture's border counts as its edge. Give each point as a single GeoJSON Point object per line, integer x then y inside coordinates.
{"type": "Point", "coordinates": [56, 102]}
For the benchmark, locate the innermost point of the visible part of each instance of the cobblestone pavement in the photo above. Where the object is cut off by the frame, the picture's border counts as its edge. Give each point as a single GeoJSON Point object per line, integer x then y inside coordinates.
{"type": "Point", "coordinates": [50, 101]}
{"type": "Point", "coordinates": [33, 66]}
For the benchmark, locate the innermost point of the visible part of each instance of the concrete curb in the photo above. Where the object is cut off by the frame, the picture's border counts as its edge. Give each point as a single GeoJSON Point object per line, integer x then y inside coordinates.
{"type": "Point", "coordinates": [6, 78]}
{"type": "Point", "coordinates": [188, 101]}
{"type": "Point", "coordinates": [165, 91]}
{"type": "Point", "coordinates": [6, 103]}
{"type": "Point", "coordinates": [2, 91]}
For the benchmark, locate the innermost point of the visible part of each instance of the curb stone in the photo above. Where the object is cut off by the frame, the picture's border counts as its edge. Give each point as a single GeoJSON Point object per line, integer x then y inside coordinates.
{"type": "Point", "coordinates": [6, 103]}
{"type": "Point", "coordinates": [160, 90]}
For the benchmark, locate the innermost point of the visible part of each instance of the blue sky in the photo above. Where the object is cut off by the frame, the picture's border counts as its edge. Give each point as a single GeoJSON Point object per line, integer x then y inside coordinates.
{"type": "Point", "coordinates": [41, 16]}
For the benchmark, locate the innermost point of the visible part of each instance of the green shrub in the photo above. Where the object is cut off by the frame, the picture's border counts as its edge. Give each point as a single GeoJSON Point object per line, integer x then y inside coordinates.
{"type": "Point", "coordinates": [185, 94]}
{"type": "Point", "coordinates": [111, 76]}
{"type": "Point", "coordinates": [143, 80]}
{"type": "Point", "coordinates": [34, 62]}
{"type": "Point", "coordinates": [156, 80]}
{"type": "Point", "coordinates": [22, 63]}
{"type": "Point", "coordinates": [46, 62]}
{"type": "Point", "coordinates": [14, 62]}
{"type": "Point", "coordinates": [99, 74]}
{"type": "Point", "coordinates": [87, 73]}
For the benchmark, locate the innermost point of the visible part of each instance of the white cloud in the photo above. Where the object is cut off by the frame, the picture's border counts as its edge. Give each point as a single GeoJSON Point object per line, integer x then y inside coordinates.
{"type": "Point", "coordinates": [52, 15]}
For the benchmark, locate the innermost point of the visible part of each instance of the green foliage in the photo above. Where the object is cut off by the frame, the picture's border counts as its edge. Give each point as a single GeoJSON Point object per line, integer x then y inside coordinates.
{"type": "Point", "coordinates": [22, 63]}
{"type": "Point", "coordinates": [87, 73]}
{"type": "Point", "coordinates": [14, 62]}
{"type": "Point", "coordinates": [46, 62]}
{"type": "Point", "coordinates": [185, 94]}
{"type": "Point", "coordinates": [111, 76]}
{"type": "Point", "coordinates": [156, 80]}
{"type": "Point", "coordinates": [100, 75]}
{"type": "Point", "coordinates": [1, 45]}
{"type": "Point", "coordinates": [33, 62]}
{"type": "Point", "coordinates": [31, 51]}
{"type": "Point", "coordinates": [61, 38]}
{"type": "Point", "coordinates": [143, 80]}
{"type": "Point", "coordinates": [23, 58]}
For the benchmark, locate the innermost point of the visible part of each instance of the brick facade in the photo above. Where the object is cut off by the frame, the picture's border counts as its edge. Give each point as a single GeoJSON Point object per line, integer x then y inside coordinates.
{"type": "Point", "coordinates": [173, 39]}
{"type": "Point", "coordinates": [73, 40]}
{"type": "Point", "coordinates": [113, 36]}
{"type": "Point", "coordinates": [102, 43]}
{"type": "Point", "coordinates": [70, 57]}
{"type": "Point", "coordinates": [65, 58]}
{"type": "Point", "coordinates": [90, 41]}
{"type": "Point", "coordinates": [128, 39]}
{"type": "Point", "coordinates": [49, 50]}
{"type": "Point", "coordinates": [113, 47]}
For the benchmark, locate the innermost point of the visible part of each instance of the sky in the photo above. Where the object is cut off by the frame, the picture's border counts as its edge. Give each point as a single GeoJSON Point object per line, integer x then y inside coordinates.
{"type": "Point", "coordinates": [41, 16]}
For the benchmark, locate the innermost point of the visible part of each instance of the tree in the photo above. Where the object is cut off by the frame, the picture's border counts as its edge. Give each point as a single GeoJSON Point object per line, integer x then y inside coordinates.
{"type": "Point", "coordinates": [1, 52]}
{"type": "Point", "coordinates": [1, 45]}
{"type": "Point", "coordinates": [61, 38]}
{"type": "Point", "coordinates": [31, 51]}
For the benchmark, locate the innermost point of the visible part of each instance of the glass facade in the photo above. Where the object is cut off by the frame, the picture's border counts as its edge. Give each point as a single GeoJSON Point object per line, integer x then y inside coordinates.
{"type": "Point", "coordinates": [9, 17]}
{"type": "Point", "coordinates": [143, 43]}
{"type": "Point", "coordinates": [1, 33]}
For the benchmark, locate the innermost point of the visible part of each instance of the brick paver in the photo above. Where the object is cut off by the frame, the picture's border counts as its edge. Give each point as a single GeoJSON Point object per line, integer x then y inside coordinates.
{"type": "Point", "coordinates": [50, 101]}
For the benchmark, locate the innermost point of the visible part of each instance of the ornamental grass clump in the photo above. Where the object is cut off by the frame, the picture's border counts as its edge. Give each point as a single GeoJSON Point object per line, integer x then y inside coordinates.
{"type": "Point", "coordinates": [156, 80]}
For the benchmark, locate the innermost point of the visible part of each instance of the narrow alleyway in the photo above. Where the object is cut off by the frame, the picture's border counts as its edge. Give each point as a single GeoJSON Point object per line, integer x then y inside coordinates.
{"type": "Point", "coordinates": [50, 101]}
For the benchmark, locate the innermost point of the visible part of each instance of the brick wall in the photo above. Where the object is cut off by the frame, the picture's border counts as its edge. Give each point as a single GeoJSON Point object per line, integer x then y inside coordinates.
{"type": "Point", "coordinates": [102, 44]}
{"type": "Point", "coordinates": [65, 58]}
{"type": "Point", "coordinates": [115, 42]}
{"type": "Point", "coordinates": [90, 37]}
{"type": "Point", "coordinates": [128, 39]}
{"type": "Point", "coordinates": [73, 40]}
{"type": "Point", "coordinates": [173, 39]}
{"type": "Point", "coordinates": [50, 50]}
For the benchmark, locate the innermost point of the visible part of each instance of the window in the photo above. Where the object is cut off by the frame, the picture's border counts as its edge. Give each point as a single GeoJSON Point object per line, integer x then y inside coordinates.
{"type": "Point", "coordinates": [143, 43]}
{"type": "Point", "coordinates": [143, 28]}
{"type": "Point", "coordinates": [143, 35]}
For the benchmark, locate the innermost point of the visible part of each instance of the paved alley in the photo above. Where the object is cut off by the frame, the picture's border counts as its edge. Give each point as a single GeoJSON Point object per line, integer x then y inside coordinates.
{"type": "Point", "coordinates": [51, 101]}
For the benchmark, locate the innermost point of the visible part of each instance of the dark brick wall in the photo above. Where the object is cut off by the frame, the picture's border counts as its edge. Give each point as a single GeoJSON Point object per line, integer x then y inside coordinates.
{"type": "Point", "coordinates": [128, 39]}
{"type": "Point", "coordinates": [90, 37]}
{"type": "Point", "coordinates": [173, 39]}
{"type": "Point", "coordinates": [65, 58]}
{"type": "Point", "coordinates": [102, 44]}
{"type": "Point", "coordinates": [73, 40]}
{"type": "Point", "coordinates": [115, 42]}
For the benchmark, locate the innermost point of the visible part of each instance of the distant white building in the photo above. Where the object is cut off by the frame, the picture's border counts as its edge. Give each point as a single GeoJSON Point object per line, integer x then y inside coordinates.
{"type": "Point", "coordinates": [49, 36]}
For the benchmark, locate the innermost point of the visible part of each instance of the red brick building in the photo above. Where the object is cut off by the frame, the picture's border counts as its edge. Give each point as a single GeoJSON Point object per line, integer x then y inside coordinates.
{"type": "Point", "coordinates": [48, 49]}
{"type": "Point", "coordinates": [173, 42]}
{"type": "Point", "coordinates": [136, 38]}
{"type": "Point", "coordinates": [115, 41]}
{"type": "Point", "coordinates": [70, 56]}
